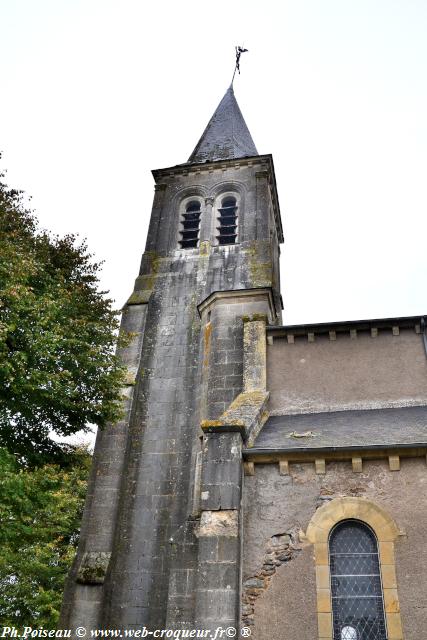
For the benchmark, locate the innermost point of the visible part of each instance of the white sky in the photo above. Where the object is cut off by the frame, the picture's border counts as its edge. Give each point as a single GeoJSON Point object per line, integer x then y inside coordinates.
{"type": "Point", "coordinates": [96, 93]}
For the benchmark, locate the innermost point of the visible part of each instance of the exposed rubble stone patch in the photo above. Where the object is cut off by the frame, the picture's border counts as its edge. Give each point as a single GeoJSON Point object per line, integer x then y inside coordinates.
{"type": "Point", "coordinates": [280, 548]}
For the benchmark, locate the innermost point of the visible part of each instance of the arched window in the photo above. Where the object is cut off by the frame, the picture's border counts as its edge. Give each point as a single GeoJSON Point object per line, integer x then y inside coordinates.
{"type": "Point", "coordinates": [356, 590]}
{"type": "Point", "coordinates": [227, 230]}
{"type": "Point", "coordinates": [190, 224]}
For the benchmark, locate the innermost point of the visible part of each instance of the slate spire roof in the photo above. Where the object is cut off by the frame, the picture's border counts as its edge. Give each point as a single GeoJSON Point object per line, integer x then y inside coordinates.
{"type": "Point", "coordinates": [226, 135]}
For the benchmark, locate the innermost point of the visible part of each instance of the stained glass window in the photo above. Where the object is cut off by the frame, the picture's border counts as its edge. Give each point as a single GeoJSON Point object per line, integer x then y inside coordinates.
{"type": "Point", "coordinates": [357, 598]}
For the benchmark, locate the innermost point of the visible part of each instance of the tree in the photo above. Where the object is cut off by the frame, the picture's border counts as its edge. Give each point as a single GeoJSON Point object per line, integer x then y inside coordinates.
{"type": "Point", "coordinates": [58, 371]}
{"type": "Point", "coordinates": [40, 511]}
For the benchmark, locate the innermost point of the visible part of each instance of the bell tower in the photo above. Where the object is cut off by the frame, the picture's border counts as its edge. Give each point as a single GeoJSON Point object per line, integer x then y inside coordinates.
{"type": "Point", "coordinates": [160, 541]}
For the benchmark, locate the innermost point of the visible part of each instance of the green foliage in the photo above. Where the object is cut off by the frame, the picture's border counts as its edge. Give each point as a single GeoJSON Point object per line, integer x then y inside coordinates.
{"type": "Point", "coordinates": [58, 371]}
{"type": "Point", "coordinates": [40, 511]}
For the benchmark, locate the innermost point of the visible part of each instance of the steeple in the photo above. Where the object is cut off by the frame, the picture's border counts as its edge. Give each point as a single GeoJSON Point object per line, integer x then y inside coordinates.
{"type": "Point", "coordinates": [211, 262]}
{"type": "Point", "coordinates": [226, 136]}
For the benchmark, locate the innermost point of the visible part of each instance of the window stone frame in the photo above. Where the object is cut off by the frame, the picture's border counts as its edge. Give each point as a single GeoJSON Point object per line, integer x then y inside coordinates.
{"type": "Point", "coordinates": [219, 197]}
{"type": "Point", "coordinates": [185, 201]}
{"type": "Point", "coordinates": [386, 531]}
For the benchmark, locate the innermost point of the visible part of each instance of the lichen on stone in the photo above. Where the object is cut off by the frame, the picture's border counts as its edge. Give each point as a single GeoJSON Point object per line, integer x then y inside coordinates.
{"type": "Point", "coordinates": [130, 378]}
{"type": "Point", "coordinates": [255, 317]}
{"type": "Point", "coordinates": [93, 567]}
{"type": "Point", "coordinates": [140, 297]}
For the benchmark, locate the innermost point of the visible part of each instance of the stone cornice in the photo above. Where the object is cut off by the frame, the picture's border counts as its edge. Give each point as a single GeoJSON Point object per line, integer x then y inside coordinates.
{"type": "Point", "coordinates": [237, 293]}
{"type": "Point", "coordinates": [349, 326]}
{"type": "Point", "coordinates": [235, 163]}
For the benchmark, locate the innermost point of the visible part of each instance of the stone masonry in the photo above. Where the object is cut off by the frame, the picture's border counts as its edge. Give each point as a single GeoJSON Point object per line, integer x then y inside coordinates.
{"type": "Point", "coordinates": [245, 445]}
{"type": "Point", "coordinates": [158, 534]}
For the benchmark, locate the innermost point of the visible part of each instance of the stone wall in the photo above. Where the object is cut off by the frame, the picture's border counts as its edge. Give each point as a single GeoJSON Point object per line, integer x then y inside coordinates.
{"type": "Point", "coordinates": [353, 371]}
{"type": "Point", "coordinates": [279, 598]}
{"type": "Point", "coordinates": [188, 368]}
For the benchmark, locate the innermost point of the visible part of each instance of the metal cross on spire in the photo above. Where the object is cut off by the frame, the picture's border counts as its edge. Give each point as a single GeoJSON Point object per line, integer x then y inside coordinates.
{"type": "Point", "coordinates": [239, 51]}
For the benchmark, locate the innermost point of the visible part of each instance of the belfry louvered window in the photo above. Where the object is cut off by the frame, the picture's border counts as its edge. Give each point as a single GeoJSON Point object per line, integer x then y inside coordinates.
{"type": "Point", "coordinates": [227, 229]}
{"type": "Point", "coordinates": [190, 225]}
{"type": "Point", "coordinates": [357, 598]}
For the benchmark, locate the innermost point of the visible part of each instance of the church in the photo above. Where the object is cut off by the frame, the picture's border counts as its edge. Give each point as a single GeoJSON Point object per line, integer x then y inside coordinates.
{"type": "Point", "coordinates": [265, 480]}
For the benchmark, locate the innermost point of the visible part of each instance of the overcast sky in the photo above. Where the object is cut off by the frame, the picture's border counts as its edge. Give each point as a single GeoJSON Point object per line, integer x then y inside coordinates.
{"type": "Point", "coordinates": [96, 93]}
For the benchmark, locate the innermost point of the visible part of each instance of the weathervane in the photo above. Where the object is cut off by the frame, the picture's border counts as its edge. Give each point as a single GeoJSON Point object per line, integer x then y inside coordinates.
{"type": "Point", "coordinates": [239, 51]}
